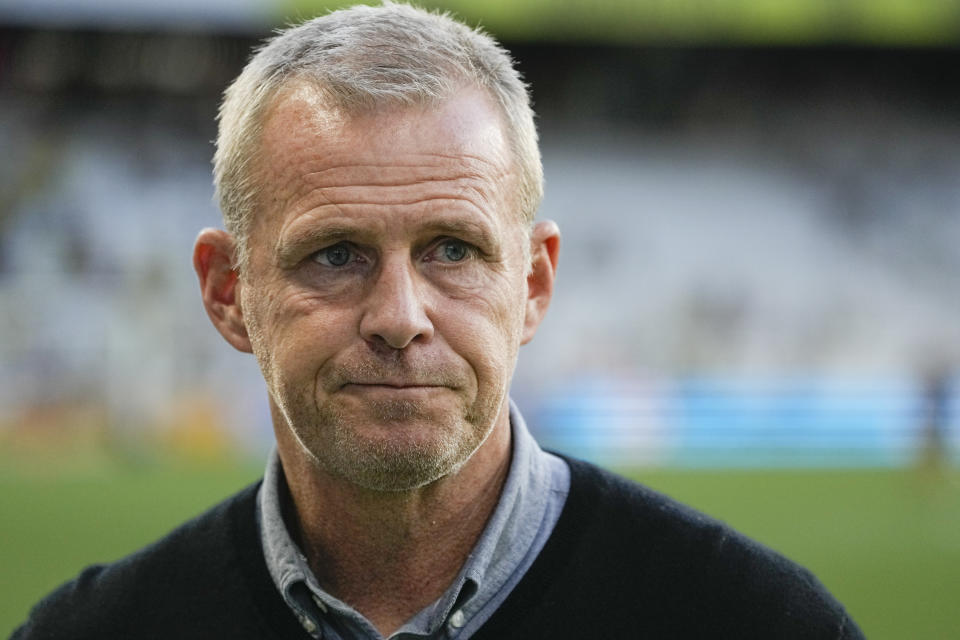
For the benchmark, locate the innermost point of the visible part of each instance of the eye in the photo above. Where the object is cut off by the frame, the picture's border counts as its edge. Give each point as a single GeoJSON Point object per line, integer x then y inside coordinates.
{"type": "Point", "coordinates": [336, 255]}
{"type": "Point", "coordinates": [454, 251]}
{"type": "Point", "coordinates": [450, 250]}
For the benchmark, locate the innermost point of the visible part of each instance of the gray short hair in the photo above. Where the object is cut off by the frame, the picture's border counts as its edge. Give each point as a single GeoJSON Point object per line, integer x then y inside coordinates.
{"type": "Point", "coordinates": [362, 58]}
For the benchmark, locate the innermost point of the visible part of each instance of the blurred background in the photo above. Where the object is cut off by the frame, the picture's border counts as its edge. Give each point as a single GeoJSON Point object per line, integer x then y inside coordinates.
{"type": "Point", "coordinates": [757, 309]}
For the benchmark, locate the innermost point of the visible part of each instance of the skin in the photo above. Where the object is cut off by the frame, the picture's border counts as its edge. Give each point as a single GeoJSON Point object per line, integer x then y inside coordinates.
{"type": "Point", "coordinates": [387, 294]}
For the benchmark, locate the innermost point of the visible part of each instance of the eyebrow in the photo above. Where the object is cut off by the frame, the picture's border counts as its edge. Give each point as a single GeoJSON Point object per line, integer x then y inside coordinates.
{"type": "Point", "coordinates": [290, 245]}
{"type": "Point", "coordinates": [479, 233]}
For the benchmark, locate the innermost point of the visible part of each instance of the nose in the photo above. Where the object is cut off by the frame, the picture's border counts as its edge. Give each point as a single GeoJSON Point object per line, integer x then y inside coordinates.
{"type": "Point", "coordinates": [395, 313]}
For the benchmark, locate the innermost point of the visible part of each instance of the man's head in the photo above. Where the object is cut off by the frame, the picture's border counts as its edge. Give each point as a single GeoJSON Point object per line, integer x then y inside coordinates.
{"type": "Point", "coordinates": [361, 60]}
{"type": "Point", "coordinates": [390, 272]}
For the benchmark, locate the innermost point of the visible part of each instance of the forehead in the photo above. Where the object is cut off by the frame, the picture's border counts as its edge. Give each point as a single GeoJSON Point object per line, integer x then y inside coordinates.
{"type": "Point", "coordinates": [469, 114]}
{"type": "Point", "coordinates": [307, 144]}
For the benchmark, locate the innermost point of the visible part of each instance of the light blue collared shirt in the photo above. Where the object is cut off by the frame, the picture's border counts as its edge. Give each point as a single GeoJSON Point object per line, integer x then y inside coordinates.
{"type": "Point", "coordinates": [530, 504]}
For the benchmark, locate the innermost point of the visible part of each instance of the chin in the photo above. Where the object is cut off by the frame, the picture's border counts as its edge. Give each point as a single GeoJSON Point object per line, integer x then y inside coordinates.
{"type": "Point", "coordinates": [398, 447]}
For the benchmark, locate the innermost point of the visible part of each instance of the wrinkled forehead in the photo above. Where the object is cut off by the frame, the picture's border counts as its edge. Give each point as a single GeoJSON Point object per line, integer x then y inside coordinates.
{"type": "Point", "coordinates": [302, 118]}
{"type": "Point", "coordinates": [305, 139]}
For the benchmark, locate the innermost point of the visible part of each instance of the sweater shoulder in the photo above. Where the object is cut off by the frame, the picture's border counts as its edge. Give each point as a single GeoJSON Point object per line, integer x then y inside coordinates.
{"type": "Point", "coordinates": [702, 566]}
{"type": "Point", "coordinates": [653, 564]}
{"type": "Point", "coordinates": [631, 508]}
{"type": "Point", "coordinates": [181, 579]}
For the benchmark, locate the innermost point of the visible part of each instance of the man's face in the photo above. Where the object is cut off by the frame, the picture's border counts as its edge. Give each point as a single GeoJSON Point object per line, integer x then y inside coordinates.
{"type": "Point", "coordinates": [386, 288]}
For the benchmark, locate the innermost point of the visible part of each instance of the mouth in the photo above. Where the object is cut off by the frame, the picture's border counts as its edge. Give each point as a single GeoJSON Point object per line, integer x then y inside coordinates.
{"type": "Point", "coordinates": [382, 391]}
{"type": "Point", "coordinates": [390, 386]}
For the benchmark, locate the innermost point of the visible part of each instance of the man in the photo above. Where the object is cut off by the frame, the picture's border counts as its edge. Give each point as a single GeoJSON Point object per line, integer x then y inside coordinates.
{"type": "Point", "coordinates": [378, 173]}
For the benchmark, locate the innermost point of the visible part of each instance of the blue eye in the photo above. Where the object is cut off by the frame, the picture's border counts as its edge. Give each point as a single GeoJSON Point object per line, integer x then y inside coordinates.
{"type": "Point", "coordinates": [450, 250]}
{"type": "Point", "coordinates": [455, 251]}
{"type": "Point", "coordinates": [334, 256]}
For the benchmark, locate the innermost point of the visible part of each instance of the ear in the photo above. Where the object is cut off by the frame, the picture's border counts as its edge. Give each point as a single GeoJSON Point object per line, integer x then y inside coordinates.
{"type": "Point", "coordinates": [213, 260]}
{"type": "Point", "coordinates": [544, 252]}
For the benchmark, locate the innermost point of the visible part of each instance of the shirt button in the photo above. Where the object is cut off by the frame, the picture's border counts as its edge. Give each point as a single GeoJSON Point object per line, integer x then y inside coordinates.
{"type": "Point", "coordinates": [308, 624]}
{"type": "Point", "coordinates": [457, 619]}
{"type": "Point", "coordinates": [317, 601]}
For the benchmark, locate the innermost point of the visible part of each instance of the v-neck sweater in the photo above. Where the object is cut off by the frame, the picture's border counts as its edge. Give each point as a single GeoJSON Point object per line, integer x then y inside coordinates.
{"type": "Point", "coordinates": [623, 561]}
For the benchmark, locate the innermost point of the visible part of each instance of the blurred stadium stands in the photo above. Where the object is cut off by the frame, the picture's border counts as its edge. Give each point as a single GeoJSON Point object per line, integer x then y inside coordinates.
{"type": "Point", "coordinates": [745, 423]}
{"type": "Point", "coordinates": [759, 264]}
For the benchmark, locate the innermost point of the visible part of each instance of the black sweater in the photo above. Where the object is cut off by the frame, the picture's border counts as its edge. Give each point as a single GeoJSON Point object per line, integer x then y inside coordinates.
{"type": "Point", "coordinates": [622, 562]}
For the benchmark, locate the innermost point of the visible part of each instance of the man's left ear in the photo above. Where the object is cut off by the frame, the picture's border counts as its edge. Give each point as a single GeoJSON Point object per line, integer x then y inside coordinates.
{"type": "Point", "coordinates": [544, 252]}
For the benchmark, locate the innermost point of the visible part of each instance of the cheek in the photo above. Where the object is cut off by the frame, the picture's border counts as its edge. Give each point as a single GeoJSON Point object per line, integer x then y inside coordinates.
{"type": "Point", "coordinates": [292, 332]}
{"type": "Point", "coordinates": [486, 329]}
{"type": "Point", "coordinates": [507, 309]}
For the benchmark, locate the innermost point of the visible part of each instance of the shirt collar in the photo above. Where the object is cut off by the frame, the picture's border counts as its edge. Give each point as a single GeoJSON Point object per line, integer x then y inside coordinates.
{"type": "Point", "coordinates": [504, 543]}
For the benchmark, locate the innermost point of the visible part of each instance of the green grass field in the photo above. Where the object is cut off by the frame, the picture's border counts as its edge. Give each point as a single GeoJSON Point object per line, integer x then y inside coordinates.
{"type": "Point", "coordinates": [887, 543]}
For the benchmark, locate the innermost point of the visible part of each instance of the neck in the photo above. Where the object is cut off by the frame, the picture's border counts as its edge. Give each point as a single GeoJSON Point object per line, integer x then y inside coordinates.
{"type": "Point", "coordinates": [390, 554]}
